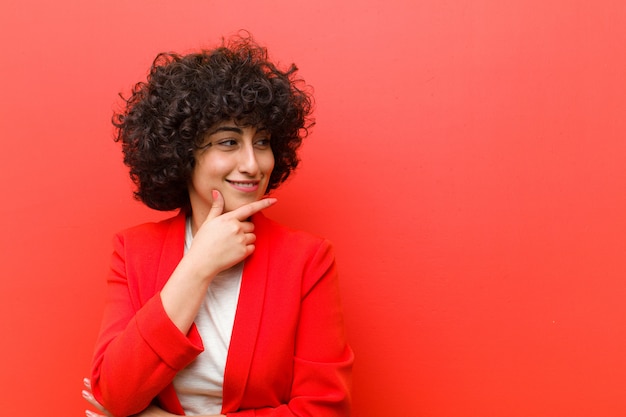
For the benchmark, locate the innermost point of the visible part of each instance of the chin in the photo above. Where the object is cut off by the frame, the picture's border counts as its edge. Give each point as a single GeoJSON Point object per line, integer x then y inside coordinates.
{"type": "Point", "coordinates": [231, 204]}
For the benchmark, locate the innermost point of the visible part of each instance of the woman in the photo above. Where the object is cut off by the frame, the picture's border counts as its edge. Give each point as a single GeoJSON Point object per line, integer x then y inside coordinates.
{"type": "Point", "coordinates": [218, 310]}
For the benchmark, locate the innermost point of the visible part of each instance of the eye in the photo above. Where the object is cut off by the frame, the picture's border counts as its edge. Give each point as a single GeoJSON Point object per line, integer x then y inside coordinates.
{"type": "Point", "coordinates": [262, 143]}
{"type": "Point", "coordinates": [226, 142]}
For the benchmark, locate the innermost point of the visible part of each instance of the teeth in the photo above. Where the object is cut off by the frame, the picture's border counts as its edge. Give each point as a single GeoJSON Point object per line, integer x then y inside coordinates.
{"type": "Point", "coordinates": [244, 184]}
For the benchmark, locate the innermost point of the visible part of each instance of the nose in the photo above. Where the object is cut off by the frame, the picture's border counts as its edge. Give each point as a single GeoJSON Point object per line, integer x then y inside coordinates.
{"type": "Point", "coordinates": [248, 163]}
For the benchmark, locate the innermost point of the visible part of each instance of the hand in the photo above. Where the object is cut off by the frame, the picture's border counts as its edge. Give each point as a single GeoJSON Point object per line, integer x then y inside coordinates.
{"type": "Point", "coordinates": [227, 238]}
{"type": "Point", "coordinates": [221, 241]}
{"type": "Point", "coordinates": [151, 411]}
{"type": "Point", "coordinates": [87, 395]}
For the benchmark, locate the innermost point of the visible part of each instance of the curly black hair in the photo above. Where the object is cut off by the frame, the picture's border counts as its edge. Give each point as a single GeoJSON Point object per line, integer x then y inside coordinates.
{"type": "Point", "coordinates": [165, 119]}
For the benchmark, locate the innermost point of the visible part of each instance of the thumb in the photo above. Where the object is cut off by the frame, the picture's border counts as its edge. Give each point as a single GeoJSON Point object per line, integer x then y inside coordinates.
{"type": "Point", "coordinates": [217, 208]}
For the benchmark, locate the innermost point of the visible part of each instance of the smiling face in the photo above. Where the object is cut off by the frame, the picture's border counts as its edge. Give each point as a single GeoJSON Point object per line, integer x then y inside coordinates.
{"type": "Point", "coordinates": [235, 160]}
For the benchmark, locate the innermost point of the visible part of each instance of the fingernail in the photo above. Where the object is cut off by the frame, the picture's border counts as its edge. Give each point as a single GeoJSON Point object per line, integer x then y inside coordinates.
{"type": "Point", "coordinates": [214, 194]}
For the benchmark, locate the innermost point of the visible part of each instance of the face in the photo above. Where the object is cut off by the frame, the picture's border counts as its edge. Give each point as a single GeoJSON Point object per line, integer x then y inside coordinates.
{"type": "Point", "coordinates": [235, 160]}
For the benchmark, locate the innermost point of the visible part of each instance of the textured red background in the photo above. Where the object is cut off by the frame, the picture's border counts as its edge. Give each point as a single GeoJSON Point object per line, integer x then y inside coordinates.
{"type": "Point", "coordinates": [468, 163]}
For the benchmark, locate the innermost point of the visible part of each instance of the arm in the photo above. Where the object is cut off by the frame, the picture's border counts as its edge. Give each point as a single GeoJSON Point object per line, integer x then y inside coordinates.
{"type": "Point", "coordinates": [322, 360]}
{"type": "Point", "coordinates": [227, 239]}
{"type": "Point", "coordinates": [151, 411]}
{"type": "Point", "coordinates": [141, 348]}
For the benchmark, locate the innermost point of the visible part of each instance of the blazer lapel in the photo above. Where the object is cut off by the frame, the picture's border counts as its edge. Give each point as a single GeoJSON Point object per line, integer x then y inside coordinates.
{"type": "Point", "coordinates": [172, 250]}
{"type": "Point", "coordinates": [247, 318]}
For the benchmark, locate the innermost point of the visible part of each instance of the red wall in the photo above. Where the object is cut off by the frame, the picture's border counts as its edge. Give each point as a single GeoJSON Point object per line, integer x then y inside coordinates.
{"type": "Point", "coordinates": [469, 163]}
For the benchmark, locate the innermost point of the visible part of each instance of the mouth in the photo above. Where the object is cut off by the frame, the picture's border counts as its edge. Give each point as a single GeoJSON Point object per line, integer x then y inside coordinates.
{"type": "Point", "coordinates": [247, 186]}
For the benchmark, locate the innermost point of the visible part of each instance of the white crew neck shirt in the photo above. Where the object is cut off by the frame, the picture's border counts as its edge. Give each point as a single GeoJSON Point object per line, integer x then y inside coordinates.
{"type": "Point", "coordinates": [200, 385]}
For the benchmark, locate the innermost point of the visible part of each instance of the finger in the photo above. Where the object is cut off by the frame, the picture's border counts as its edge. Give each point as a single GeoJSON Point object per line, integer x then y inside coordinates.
{"type": "Point", "coordinates": [217, 206]}
{"type": "Point", "coordinates": [87, 383]}
{"type": "Point", "coordinates": [247, 227]}
{"type": "Point", "coordinates": [243, 212]}
{"type": "Point", "coordinates": [90, 413]}
{"type": "Point", "coordinates": [92, 400]}
{"type": "Point", "coordinates": [250, 238]}
{"type": "Point", "coordinates": [249, 249]}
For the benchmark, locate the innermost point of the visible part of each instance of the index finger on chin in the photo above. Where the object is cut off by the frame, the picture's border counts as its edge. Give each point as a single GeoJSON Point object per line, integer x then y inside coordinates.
{"type": "Point", "coordinates": [243, 212]}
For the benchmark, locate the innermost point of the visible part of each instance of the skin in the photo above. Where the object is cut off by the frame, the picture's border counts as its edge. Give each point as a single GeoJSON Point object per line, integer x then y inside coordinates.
{"type": "Point", "coordinates": [228, 183]}
{"type": "Point", "coordinates": [235, 160]}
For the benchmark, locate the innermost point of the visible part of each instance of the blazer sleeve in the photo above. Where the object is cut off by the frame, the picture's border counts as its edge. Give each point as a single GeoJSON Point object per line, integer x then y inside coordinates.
{"type": "Point", "coordinates": [322, 359]}
{"type": "Point", "coordinates": [139, 349]}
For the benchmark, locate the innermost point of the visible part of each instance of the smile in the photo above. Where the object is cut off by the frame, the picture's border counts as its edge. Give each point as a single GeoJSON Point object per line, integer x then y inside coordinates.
{"type": "Point", "coordinates": [247, 186]}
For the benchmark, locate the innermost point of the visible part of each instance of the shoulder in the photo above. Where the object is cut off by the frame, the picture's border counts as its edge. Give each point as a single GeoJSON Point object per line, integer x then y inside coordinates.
{"type": "Point", "coordinates": [151, 233]}
{"type": "Point", "coordinates": [149, 250]}
{"type": "Point", "coordinates": [296, 245]}
{"type": "Point", "coordinates": [280, 233]}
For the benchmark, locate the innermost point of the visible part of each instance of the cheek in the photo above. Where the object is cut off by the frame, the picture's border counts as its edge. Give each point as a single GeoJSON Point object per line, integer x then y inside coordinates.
{"type": "Point", "coordinates": [268, 164]}
{"type": "Point", "coordinates": [213, 169]}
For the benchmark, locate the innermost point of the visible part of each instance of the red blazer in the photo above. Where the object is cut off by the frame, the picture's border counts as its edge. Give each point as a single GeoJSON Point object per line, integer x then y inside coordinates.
{"type": "Point", "coordinates": [288, 354]}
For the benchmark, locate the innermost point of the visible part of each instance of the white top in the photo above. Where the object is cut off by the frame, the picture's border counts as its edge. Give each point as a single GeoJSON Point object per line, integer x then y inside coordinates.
{"type": "Point", "coordinates": [200, 385]}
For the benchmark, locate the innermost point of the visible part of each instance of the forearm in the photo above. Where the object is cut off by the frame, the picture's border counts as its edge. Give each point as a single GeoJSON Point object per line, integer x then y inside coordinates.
{"type": "Point", "coordinates": [220, 242]}
{"type": "Point", "coordinates": [154, 411]}
{"type": "Point", "coordinates": [138, 362]}
{"type": "Point", "coordinates": [183, 295]}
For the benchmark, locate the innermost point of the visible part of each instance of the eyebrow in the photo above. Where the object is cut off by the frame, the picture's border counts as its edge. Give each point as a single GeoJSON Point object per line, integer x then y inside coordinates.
{"type": "Point", "coordinates": [235, 129]}
{"type": "Point", "coordinates": [225, 129]}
